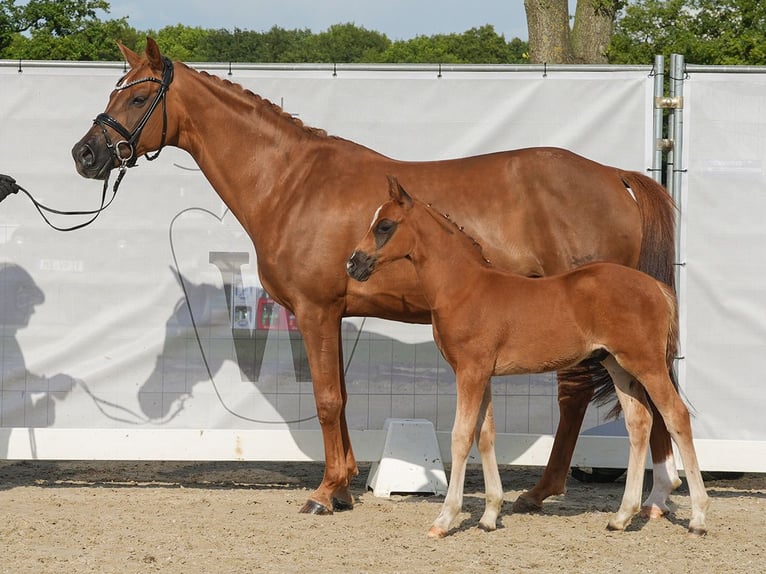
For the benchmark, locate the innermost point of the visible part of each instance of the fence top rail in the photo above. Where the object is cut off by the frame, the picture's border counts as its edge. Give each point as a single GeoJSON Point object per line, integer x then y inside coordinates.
{"type": "Point", "coordinates": [701, 69]}
{"type": "Point", "coordinates": [338, 67]}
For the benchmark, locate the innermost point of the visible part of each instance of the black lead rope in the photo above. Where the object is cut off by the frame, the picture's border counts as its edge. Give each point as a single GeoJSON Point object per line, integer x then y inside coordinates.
{"type": "Point", "coordinates": [127, 145]}
{"type": "Point", "coordinates": [43, 209]}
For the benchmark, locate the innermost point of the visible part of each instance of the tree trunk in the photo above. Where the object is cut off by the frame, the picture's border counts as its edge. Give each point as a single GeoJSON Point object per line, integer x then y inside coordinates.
{"type": "Point", "coordinates": [548, 26]}
{"type": "Point", "coordinates": [592, 31]}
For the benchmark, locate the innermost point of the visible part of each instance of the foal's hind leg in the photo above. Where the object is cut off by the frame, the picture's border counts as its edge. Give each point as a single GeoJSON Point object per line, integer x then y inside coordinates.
{"type": "Point", "coordinates": [485, 440]}
{"type": "Point", "coordinates": [638, 420]}
{"type": "Point", "coordinates": [676, 417]}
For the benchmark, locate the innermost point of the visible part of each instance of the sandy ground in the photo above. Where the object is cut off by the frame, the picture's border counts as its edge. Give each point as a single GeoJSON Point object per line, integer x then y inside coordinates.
{"type": "Point", "coordinates": [83, 517]}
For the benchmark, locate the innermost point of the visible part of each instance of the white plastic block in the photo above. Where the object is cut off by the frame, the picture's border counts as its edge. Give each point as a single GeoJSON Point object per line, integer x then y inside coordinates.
{"type": "Point", "coordinates": [410, 461]}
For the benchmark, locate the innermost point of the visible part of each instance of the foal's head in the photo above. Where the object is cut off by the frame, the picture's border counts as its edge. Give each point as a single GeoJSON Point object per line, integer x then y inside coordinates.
{"type": "Point", "coordinates": [386, 240]}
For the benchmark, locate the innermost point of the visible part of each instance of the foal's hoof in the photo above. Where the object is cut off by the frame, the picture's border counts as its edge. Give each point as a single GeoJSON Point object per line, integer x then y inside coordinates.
{"type": "Point", "coordinates": [524, 505]}
{"type": "Point", "coordinates": [313, 507]}
{"type": "Point", "coordinates": [697, 532]}
{"type": "Point", "coordinates": [339, 505]}
{"type": "Point", "coordinates": [653, 512]}
{"type": "Point", "coordinates": [437, 532]}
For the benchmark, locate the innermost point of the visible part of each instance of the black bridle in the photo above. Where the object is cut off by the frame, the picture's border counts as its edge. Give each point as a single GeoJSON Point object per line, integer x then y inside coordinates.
{"type": "Point", "coordinates": [123, 151]}
{"type": "Point", "coordinates": [130, 138]}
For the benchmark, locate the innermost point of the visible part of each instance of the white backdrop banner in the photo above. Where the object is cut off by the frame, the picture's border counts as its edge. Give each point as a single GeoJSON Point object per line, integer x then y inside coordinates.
{"type": "Point", "coordinates": [153, 317]}
{"type": "Point", "coordinates": [723, 239]}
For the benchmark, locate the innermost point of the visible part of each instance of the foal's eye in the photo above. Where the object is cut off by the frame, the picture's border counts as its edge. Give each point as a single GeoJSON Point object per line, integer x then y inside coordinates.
{"type": "Point", "coordinates": [385, 226]}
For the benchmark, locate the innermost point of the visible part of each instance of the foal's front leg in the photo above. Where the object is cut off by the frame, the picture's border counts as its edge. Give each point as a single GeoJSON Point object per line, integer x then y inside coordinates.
{"type": "Point", "coordinates": [485, 440]}
{"type": "Point", "coordinates": [470, 398]}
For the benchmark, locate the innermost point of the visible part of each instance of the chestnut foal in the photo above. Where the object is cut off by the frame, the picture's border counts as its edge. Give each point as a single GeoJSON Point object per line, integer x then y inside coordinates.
{"type": "Point", "coordinates": [626, 318]}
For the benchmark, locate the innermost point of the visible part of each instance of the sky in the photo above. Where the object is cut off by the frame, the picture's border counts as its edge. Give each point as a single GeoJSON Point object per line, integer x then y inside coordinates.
{"type": "Point", "coordinates": [397, 19]}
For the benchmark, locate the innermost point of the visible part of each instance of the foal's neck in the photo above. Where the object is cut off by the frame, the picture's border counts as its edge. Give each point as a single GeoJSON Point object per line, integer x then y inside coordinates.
{"type": "Point", "coordinates": [444, 256]}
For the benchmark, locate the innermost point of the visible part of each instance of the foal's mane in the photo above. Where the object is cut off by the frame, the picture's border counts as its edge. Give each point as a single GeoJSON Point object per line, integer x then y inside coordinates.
{"type": "Point", "coordinates": [446, 221]}
{"type": "Point", "coordinates": [261, 101]}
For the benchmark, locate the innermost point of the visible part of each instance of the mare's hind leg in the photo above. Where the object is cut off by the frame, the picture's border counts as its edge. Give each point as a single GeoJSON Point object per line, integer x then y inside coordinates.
{"type": "Point", "coordinates": [665, 473]}
{"type": "Point", "coordinates": [574, 398]}
{"type": "Point", "coordinates": [638, 420]}
{"type": "Point", "coordinates": [470, 398]}
{"type": "Point", "coordinates": [485, 440]}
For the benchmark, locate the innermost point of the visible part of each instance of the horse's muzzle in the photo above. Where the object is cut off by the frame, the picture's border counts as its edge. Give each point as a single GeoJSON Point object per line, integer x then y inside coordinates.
{"type": "Point", "coordinates": [91, 161]}
{"type": "Point", "coordinates": [360, 266]}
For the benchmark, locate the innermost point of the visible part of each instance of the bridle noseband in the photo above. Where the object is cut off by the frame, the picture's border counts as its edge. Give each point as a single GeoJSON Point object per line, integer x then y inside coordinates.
{"type": "Point", "coordinates": [124, 151]}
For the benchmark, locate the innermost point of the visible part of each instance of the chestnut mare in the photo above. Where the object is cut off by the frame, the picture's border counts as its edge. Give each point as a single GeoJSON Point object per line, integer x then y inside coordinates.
{"type": "Point", "coordinates": [622, 317]}
{"type": "Point", "coordinates": [298, 193]}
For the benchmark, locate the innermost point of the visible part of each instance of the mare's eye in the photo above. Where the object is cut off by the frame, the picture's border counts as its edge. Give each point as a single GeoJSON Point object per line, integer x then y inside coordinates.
{"type": "Point", "coordinates": [138, 100]}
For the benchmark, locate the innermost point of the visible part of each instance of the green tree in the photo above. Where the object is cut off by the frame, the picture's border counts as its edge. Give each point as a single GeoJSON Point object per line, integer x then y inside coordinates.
{"type": "Point", "coordinates": [476, 46]}
{"type": "Point", "coordinates": [551, 40]}
{"type": "Point", "coordinates": [180, 42]}
{"type": "Point", "coordinates": [60, 29]}
{"type": "Point", "coordinates": [347, 43]}
{"type": "Point", "coordinates": [723, 32]}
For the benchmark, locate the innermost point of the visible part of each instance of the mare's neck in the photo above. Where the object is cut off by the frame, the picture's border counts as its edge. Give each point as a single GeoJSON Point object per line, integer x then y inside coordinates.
{"type": "Point", "coordinates": [240, 141]}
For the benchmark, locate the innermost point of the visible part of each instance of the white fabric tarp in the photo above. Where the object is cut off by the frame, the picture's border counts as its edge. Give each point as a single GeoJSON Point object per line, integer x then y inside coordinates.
{"type": "Point", "coordinates": [723, 235]}
{"type": "Point", "coordinates": [96, 329]}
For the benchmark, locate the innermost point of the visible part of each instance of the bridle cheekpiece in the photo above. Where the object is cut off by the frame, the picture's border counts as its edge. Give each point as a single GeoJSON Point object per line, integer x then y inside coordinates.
{"type": "Point", "coordinates": [124, 150]}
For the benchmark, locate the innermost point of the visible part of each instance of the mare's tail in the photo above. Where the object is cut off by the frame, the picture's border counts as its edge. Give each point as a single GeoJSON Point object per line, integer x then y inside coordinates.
{"type": "Point", "coordinates": [656, 258]}
{"type": "Point", "coordinates": [658, 227]}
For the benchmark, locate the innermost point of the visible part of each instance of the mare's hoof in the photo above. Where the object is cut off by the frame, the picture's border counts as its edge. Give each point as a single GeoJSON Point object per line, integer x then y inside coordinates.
{"type": "Point", "coordinates": [313, 507]}
{"type": "Point", "coordinates": [339, 505]}
{"type": "Point", "coordinates": [526, 506]}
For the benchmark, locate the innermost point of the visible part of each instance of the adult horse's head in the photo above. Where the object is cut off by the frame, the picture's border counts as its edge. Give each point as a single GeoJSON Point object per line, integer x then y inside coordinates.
{"type": "Point", "coordinates": [131, 125]}
{"type": "Point", "coordinates": [386, 240]}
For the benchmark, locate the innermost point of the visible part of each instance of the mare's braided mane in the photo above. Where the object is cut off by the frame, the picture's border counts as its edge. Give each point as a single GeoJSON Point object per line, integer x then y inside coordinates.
{"type": "Point", "coordinates": [261, 100]}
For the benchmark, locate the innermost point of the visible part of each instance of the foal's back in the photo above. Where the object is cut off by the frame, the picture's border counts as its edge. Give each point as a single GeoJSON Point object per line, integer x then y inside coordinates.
{"type": "Point", "coordinates": [536, 325]}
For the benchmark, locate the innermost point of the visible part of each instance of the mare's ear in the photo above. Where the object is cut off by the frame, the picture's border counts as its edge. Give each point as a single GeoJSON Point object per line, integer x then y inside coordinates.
{"type": "Point", "coordinates": [153, 55]}
{"type": "Point", "coordinates": [398, 193]}
{"type": "Point", "coordinates": [131, 57]}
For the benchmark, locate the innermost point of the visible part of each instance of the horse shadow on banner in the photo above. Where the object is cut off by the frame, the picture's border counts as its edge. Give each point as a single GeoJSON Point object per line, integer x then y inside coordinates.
{"type": "Point", "coordinates": [213, 324]}
{"type": "Point", "coordinates": [27, 400]}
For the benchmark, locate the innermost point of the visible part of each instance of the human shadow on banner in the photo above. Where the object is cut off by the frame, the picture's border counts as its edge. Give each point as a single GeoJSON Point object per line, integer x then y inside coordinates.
{"type": "Point", "coordinates": [27, 400]}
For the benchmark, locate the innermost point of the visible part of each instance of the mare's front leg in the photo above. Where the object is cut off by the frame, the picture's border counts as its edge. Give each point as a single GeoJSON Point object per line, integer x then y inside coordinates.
{"type": "Point", "coordinates": [321, 333]}
{"type": "Point", "coordinates": [574, 397]}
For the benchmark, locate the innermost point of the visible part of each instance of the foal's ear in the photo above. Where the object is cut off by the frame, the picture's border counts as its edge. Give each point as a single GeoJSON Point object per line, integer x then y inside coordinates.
{"type": "Point", "coordinates": [397, 192]}
{"type": "Point", "coordinates": [131, 57]}
{"type": "Point", "coordinates": [153, 55]}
